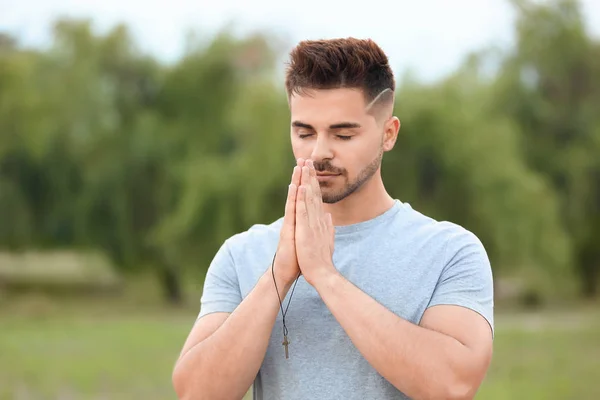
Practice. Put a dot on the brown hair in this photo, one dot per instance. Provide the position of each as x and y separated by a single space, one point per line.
339 63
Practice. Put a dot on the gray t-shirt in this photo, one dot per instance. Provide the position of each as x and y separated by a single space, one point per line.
402 258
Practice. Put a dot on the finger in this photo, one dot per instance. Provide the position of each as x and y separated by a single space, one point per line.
305 182
289 219
311 208
296 176
299 164
301 212
316 188
305 177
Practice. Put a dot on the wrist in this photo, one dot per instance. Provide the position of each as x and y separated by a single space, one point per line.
284 283
325 278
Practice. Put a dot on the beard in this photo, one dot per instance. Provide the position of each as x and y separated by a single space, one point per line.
330 195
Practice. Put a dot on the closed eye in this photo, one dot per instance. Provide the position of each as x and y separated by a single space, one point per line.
306 135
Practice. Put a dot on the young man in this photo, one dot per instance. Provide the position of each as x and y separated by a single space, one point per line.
390 304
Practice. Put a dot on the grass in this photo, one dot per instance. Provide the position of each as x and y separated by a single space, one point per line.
108 358
556 359
113 351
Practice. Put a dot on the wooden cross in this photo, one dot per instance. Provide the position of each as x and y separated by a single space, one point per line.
285 344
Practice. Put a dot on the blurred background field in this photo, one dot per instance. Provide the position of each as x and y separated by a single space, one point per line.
56 349
122 172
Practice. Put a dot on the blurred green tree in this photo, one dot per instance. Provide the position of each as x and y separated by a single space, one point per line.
102 146
550 86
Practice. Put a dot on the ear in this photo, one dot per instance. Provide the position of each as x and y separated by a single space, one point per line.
390 133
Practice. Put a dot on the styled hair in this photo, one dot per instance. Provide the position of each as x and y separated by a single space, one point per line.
339 63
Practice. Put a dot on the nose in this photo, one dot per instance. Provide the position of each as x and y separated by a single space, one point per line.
322 149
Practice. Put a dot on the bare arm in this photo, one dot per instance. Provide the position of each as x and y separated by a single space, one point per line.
223 364
224 352
444 358
447 355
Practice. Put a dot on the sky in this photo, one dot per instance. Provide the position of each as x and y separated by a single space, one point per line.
429 37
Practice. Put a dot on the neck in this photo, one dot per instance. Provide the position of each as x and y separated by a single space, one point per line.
368 202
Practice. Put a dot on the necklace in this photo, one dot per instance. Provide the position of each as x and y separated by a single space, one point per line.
285 330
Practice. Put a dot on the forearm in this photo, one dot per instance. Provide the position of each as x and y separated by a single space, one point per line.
419 362
224 365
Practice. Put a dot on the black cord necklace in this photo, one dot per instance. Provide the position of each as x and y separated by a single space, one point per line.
285 330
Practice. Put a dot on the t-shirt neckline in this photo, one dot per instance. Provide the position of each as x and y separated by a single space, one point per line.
370 223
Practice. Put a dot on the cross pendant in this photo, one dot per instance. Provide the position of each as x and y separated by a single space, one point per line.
285 344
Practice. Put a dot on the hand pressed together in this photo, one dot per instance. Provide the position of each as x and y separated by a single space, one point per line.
285 265
315 232
306 241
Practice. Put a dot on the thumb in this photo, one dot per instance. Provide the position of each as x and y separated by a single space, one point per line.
331 229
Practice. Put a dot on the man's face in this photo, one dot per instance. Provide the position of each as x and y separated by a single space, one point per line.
334 129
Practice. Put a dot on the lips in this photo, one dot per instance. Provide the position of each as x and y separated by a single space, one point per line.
327 173
323 178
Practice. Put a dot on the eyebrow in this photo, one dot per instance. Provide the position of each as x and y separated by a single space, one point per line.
339 125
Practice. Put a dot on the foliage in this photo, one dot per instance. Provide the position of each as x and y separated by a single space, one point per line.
102 146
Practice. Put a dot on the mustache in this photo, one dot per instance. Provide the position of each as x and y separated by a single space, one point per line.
325 166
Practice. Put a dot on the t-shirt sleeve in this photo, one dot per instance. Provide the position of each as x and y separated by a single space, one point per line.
221 291
466 278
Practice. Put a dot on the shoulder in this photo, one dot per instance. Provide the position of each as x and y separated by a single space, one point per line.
257 235
451 236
